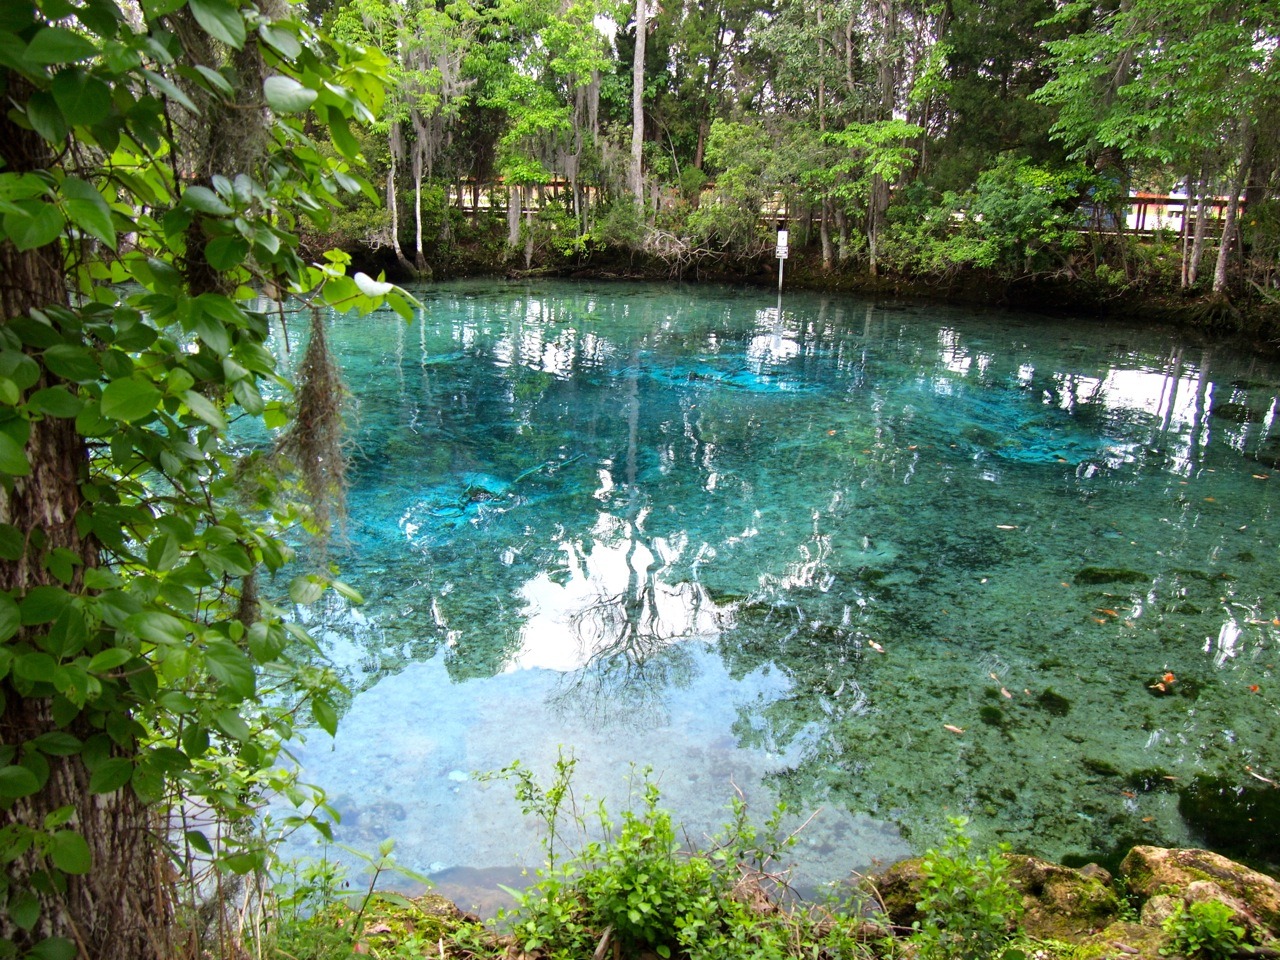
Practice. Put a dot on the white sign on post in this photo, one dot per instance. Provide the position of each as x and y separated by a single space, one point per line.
782 245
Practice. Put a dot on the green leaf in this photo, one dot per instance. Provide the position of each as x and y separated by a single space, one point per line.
221 20
199 842
348 591
205 201
226 253
233 725
148 784
110 775
54 948
163 553
130 399
37 667
18 367
45 117
286 95
59 45
230 667
341 134
325 715
280 40
13 457
109 659
10 619
157 627
34 225
24 908
70 853
246 862
43 604
213 333
83 99
55 402
305 589
71 362
170 90
87 209
56 743
201 406
215 79
17 782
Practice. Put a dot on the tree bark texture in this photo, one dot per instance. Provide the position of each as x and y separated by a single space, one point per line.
122 907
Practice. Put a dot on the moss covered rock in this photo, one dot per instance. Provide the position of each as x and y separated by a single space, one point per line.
1062 903
1122 940
1149 871
899 889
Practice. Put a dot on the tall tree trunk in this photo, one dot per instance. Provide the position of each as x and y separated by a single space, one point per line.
419 254
637 106
1233 206
122 907
824 232
1202 226
528 226
393 205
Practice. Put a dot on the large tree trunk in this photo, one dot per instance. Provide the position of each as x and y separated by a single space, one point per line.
122 907
637 106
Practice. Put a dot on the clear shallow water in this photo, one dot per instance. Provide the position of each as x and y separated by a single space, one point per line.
891 562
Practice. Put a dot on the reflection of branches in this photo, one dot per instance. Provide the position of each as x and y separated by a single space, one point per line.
630 653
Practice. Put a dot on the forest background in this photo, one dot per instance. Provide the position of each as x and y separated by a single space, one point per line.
965 145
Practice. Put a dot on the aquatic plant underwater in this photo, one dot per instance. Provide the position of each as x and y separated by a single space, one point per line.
897 562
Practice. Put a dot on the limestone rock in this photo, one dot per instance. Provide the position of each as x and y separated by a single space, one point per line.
1160 908
1124 941
1149 871
1062 903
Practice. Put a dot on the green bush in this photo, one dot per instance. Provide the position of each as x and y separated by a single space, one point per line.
969 907
1206 929
639 889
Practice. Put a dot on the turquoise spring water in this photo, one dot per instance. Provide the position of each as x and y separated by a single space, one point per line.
887 562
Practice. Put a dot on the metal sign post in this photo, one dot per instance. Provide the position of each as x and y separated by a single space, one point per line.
782 255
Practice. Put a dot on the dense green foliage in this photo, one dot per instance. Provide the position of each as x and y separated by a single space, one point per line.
156 163
969 908
902 135
1206 929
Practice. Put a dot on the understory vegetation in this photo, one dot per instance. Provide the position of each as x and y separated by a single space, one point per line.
633 888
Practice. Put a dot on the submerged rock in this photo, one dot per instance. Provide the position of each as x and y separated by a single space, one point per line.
1090 575
1241 819
1053 703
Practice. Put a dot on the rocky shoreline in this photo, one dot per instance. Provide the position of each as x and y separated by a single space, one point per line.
1068 913
1121 916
